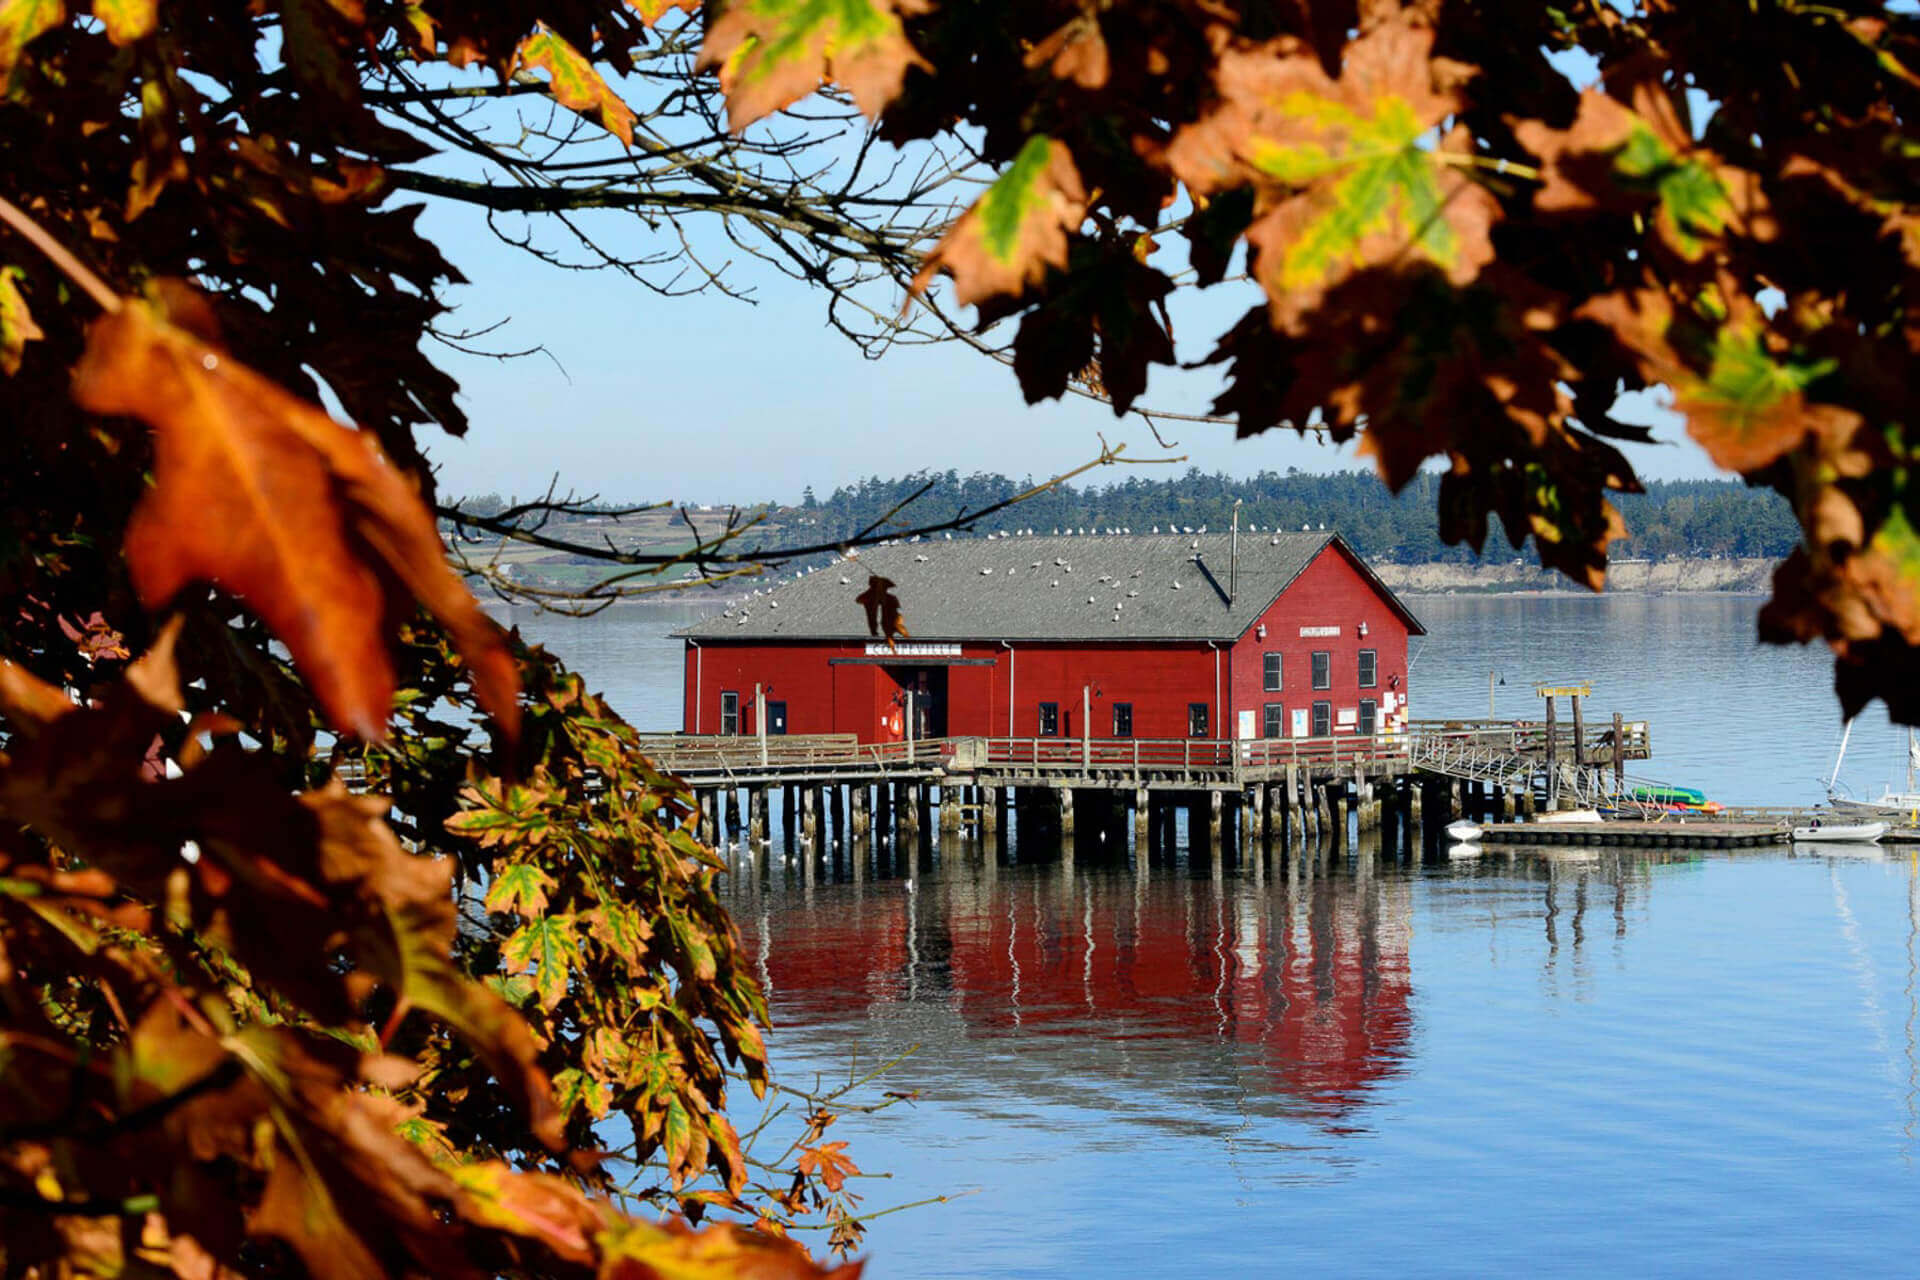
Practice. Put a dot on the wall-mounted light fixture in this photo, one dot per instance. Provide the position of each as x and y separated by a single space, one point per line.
1362 628
1260 632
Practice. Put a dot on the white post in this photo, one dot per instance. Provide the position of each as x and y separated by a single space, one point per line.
1086 726
909 709
760 720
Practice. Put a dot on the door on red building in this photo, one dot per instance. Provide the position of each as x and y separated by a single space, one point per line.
926 689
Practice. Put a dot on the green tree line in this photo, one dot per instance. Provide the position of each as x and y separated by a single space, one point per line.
1673 518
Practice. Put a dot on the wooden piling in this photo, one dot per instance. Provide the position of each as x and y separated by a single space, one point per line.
1064 798
757 816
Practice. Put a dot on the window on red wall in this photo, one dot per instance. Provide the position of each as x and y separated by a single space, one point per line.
1322 669
1123 719
1197 720
1049 719
730 712
1274 722
1369 668
1270 672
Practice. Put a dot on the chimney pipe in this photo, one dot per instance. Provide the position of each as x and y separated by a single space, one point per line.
1233 555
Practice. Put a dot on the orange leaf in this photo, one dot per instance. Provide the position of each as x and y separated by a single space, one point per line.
774 52
574 83
304 519
637 1250
829 1163
1015 231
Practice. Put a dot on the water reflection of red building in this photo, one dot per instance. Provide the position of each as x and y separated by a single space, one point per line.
1311 979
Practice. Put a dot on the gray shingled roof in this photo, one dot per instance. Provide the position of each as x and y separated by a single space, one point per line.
1092 587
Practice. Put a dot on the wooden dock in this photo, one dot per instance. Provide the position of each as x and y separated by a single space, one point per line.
1314 788
1640 835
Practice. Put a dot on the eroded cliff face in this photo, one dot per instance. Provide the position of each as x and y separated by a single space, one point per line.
1746 575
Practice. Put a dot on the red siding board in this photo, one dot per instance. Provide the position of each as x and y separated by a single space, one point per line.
1329 593
1158 678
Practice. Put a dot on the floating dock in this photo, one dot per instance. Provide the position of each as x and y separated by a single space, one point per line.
1639 835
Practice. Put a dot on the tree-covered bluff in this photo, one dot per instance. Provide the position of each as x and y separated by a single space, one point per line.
1673 518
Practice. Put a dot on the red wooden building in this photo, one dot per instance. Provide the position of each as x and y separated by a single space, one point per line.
1105 636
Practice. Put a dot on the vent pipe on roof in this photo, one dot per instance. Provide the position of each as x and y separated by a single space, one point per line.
1233 553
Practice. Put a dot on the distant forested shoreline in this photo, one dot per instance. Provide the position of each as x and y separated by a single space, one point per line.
1673 519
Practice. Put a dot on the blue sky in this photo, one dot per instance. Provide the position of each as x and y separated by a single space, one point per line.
709 399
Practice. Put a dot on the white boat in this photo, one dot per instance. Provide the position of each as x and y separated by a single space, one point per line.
1902 808
1569 815
1464 830
1819 832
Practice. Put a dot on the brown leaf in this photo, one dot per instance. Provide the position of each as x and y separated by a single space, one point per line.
1345 175
1014 233
303 519
1076 52
883 609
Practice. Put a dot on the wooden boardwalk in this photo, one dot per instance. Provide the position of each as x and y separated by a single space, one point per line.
1185 764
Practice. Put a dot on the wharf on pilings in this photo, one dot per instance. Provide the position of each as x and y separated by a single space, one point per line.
1306 788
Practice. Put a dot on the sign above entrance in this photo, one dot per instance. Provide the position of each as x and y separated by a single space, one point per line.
1315 633
879 649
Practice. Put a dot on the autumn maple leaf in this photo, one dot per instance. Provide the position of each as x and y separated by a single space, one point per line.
260 492
829 1163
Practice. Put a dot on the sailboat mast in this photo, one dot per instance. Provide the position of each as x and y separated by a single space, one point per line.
1835 778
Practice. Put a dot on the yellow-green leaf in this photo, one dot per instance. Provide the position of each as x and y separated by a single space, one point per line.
620 930
17 327
774 52
127 20
575 1088
551 948
20 22
520 887
574 83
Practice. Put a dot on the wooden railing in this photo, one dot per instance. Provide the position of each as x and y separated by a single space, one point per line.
1524 737
1140 757
729 755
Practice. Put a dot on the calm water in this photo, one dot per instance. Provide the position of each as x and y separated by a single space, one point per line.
1568 1064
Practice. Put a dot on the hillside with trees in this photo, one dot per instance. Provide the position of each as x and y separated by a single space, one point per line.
1673 518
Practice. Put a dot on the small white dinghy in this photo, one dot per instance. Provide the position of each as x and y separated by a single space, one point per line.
1819 832
1569 816
1465 831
